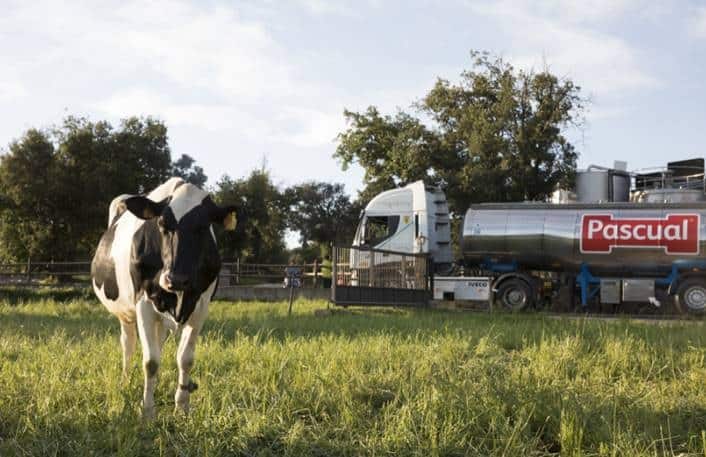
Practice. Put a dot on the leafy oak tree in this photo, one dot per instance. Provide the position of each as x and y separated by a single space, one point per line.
322 213
497 135
56 185
260 238
393 150
185 167
28 212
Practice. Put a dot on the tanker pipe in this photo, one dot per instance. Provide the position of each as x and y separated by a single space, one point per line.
598 167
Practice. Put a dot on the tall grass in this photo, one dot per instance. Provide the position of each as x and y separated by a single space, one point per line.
356 382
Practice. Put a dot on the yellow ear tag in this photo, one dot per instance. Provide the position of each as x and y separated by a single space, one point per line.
230 221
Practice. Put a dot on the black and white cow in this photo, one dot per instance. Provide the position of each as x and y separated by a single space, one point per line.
156 268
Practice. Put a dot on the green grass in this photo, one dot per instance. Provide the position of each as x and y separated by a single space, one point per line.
356 382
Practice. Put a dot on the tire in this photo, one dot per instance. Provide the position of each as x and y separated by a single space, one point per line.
691 297
514 294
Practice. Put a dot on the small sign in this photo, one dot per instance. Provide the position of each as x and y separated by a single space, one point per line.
677 234
293 277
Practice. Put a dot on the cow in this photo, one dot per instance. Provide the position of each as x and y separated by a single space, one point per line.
156 269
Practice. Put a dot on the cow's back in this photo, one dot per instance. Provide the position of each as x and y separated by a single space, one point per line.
110 268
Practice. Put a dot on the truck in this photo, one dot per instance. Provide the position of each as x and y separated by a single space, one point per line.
618 238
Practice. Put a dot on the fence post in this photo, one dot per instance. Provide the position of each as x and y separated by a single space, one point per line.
29 270
237 271
334 274
371 269
316 265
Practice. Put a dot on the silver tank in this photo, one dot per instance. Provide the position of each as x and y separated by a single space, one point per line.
545 236
601 185
593 186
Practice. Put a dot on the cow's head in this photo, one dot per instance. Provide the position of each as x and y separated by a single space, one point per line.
188 247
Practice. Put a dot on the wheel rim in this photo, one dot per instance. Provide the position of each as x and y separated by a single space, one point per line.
515 298
695 298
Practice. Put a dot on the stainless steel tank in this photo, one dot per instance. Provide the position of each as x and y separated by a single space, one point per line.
627 239
602 185
593 186
620 186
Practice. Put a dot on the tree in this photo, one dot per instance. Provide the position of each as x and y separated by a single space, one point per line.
503 128
259 238
28 212
496 136
393 150
185 168
96 163
322 213
57 184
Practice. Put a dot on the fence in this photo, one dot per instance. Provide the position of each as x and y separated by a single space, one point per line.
42 273
33 273
240 273
376 277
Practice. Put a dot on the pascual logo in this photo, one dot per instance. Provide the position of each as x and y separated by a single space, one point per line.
676 233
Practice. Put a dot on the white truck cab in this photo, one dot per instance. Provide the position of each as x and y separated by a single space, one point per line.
411 219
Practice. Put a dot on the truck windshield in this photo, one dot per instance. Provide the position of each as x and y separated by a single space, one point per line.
380 228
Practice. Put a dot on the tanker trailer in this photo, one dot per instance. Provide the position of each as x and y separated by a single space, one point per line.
624 237
622 251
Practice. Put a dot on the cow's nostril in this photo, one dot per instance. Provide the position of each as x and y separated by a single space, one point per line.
177 282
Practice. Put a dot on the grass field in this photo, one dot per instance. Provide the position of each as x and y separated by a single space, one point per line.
355 382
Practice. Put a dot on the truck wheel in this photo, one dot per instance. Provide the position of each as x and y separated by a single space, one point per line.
691 297
514 294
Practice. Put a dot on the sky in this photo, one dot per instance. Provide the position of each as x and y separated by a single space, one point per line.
242 83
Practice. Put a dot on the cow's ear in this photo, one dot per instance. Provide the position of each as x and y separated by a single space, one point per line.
228 216
144 208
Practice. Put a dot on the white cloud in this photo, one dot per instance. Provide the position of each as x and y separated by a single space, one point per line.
310 127
143 102
697 26
539 31
579 11
187 63
348 8
321 7
11 88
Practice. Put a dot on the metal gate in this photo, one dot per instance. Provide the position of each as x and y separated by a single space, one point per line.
373 277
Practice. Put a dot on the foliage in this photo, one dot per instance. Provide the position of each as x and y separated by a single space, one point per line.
394 151
261 236
27 217
322 213
56 185
373 382
185 168
495 136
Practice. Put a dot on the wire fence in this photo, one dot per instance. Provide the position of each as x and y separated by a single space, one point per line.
233 273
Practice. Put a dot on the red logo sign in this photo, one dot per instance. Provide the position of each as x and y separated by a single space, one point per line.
676 233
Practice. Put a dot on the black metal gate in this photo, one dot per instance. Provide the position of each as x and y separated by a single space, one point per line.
373 277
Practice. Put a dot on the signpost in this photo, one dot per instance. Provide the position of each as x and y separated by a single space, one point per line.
292 278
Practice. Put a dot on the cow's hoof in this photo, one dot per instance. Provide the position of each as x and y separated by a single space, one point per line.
181 408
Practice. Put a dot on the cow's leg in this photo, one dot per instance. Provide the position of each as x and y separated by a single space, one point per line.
149 325
168 325
128 340
185 356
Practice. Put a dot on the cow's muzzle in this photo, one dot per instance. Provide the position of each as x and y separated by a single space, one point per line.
177 282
